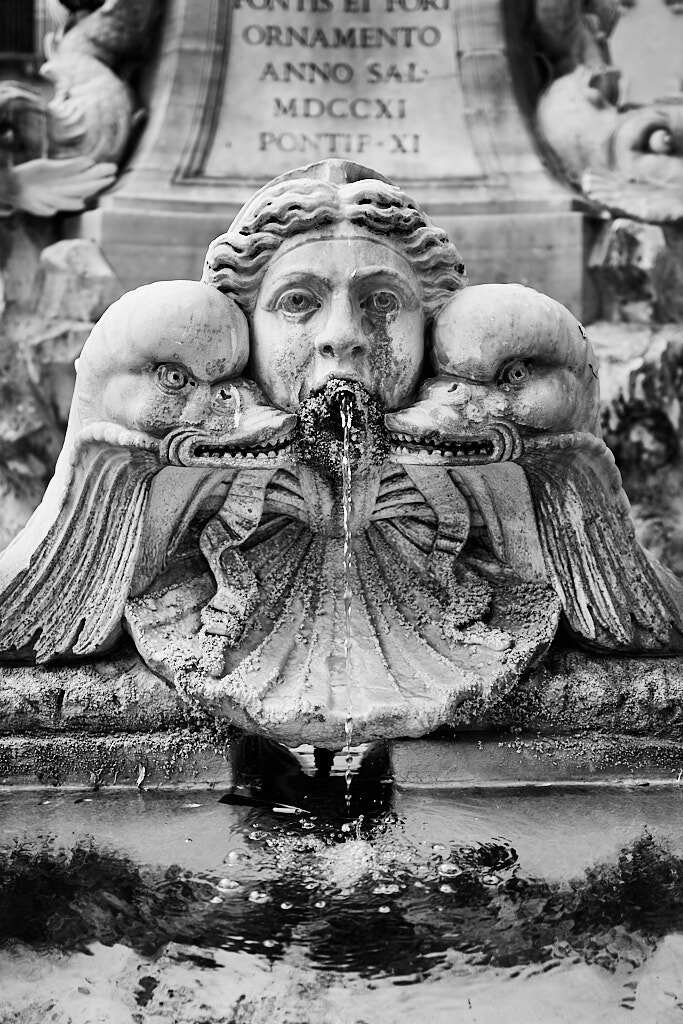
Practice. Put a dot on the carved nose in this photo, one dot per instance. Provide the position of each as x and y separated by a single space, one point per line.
458 394
341 338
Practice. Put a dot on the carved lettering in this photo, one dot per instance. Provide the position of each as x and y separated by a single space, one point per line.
317 143
405 143
406 6
366 37
308 72
377 73
274 6
360 107
333 68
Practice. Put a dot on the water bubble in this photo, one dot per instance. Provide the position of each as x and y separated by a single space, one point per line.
269 943
311 885
216 899
319 904
286 906
491 879
447 867
228 883
255 896
384 909
385 890
446 887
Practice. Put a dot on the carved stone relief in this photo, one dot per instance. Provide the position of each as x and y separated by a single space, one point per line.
332 482
625 156
70 129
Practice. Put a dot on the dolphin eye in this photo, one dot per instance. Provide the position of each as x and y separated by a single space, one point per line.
516 372
660 141
172 378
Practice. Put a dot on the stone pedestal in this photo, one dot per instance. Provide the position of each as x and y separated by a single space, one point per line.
423 92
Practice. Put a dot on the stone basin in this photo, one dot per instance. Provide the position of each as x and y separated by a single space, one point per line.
534 873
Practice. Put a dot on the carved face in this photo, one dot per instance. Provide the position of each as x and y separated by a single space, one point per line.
510 362
344 306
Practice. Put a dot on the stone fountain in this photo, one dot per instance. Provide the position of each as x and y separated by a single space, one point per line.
332 483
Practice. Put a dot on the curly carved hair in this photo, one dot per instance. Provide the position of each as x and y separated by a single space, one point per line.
294 204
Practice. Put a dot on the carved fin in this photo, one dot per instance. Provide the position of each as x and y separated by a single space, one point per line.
70 595
611 594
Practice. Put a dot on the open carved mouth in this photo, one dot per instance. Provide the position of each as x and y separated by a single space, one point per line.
217 452
320 437
500 443
186 448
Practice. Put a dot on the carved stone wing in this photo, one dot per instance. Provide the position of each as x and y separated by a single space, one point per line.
66 593
612 595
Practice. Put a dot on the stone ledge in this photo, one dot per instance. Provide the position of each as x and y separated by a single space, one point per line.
188 759
590 759
182 758
573 691
110 694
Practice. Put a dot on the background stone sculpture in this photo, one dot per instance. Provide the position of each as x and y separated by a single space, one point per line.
624 157
63 134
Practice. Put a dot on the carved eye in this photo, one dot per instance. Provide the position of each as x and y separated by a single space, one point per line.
660 141
172 378
297 303
381 305
516 372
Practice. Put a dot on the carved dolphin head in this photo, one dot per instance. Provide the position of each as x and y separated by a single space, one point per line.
517 381
511 364
163 361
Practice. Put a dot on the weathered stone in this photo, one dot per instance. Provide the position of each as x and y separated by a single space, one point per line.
75 283
315 553
641 374
526 759
573 693
184 758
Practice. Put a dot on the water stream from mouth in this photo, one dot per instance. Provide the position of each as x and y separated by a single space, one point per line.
346 412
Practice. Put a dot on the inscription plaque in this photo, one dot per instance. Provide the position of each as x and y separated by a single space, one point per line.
369 80
425 91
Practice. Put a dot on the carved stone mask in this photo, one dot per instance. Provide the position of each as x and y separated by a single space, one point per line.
338 304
